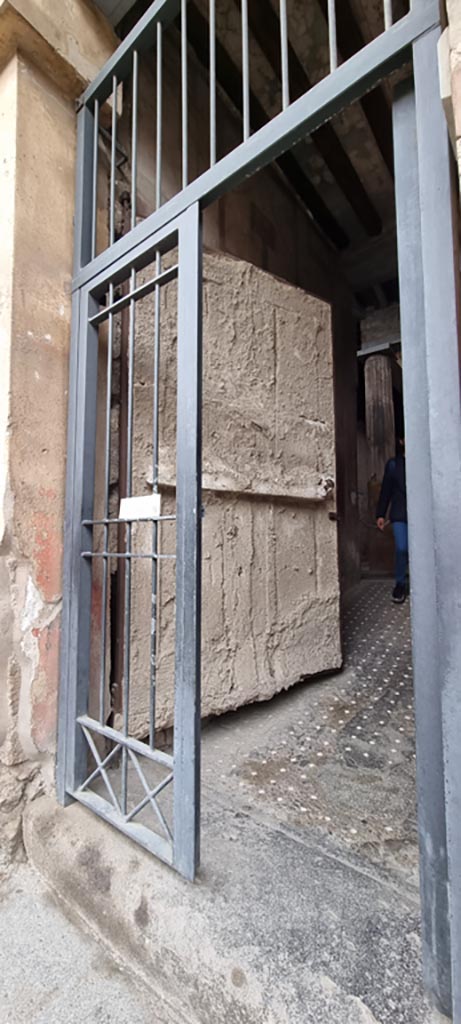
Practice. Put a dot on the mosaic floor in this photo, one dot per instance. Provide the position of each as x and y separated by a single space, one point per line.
334 757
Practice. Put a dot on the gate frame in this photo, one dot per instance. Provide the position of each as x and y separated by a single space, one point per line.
426 232
71 769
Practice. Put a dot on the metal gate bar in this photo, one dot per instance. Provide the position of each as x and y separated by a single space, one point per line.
155 488
188 549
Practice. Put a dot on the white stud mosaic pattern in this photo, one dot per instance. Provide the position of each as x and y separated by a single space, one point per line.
337 755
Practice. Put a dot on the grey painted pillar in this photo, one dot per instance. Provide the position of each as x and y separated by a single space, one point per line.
187 719
441 283
426 666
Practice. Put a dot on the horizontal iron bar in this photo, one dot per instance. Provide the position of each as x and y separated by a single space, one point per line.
120 522
141 37
134 296
123 554
110 272
344 86
151 842
137 746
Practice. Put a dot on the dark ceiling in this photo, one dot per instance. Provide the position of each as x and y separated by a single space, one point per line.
342 173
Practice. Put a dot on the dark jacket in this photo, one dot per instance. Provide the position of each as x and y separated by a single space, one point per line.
393 491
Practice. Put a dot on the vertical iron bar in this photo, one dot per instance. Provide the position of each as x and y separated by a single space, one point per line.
245 71
105 569
185 149
70 762
158 169
117 695
94 196
129 483
188 549
284 54
332 35
212 16
155 526
68 665
441 295
388 15
134 138
427 682
113 162
79 636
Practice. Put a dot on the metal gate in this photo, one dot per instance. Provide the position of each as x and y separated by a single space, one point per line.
110 277
103 536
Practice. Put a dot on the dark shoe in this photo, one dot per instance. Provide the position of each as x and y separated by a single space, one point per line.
399 593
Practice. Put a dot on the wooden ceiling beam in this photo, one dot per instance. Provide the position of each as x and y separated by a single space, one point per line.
374 104
229 79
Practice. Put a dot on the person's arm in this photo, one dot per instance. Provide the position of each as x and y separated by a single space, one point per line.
385 493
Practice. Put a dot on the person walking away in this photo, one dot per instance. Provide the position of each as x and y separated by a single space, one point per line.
394 495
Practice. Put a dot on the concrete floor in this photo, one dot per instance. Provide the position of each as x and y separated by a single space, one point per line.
51 971
306 909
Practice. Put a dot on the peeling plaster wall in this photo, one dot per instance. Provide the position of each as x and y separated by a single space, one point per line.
270 561
69 40
38 352
8 116
44 64
37 171
35 286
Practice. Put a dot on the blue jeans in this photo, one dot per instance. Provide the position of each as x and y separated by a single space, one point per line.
401 551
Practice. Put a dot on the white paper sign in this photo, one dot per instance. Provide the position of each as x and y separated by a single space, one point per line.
146 506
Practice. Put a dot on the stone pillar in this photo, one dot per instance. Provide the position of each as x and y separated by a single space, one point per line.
379 406
43 67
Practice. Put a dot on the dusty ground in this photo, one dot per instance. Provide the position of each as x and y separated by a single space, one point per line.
52 971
